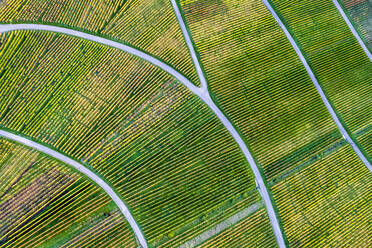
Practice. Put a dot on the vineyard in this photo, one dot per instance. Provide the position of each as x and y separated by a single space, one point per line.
347 81
128 156
275 105
270 96
45 204
209 220
148 25
328 203
251 231
365 139
143 142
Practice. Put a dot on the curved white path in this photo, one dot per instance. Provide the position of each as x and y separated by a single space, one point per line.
355 33
126 48
201 92
205 96
123 208
319 89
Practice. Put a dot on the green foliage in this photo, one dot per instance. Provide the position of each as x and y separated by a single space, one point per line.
160 147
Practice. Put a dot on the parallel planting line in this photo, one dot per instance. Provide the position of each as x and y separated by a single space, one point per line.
202 93
318 87
205 96
123 208
220 227
107 42
355 33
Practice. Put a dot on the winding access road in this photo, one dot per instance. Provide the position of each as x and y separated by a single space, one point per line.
205 96
355 33
199 71
318 87
121 205
202 93
50 28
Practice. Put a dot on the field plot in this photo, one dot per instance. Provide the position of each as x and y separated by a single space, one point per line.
254 231
259 82
149 25
360 11
209 220
43 203
163 150
328 204
342 67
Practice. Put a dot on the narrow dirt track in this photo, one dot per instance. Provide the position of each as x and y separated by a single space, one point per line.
318 87
121 205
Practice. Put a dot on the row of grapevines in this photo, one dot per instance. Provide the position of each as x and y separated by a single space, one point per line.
328 203
46 204
360 12
195 163
162 149
365 139
336 57
150 25
109 232
212 219
353 3
258 81
253 231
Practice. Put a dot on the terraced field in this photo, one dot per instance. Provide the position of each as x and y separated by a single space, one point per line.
327 204
43 203
148 25
157 144
269 96
342 67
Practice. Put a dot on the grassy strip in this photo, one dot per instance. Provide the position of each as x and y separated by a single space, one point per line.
217 212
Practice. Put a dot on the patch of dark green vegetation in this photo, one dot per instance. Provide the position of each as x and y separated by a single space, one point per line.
2 73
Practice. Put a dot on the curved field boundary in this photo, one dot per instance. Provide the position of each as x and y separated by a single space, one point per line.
107 42
318 87
208 100
121 205
202 93
353 30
